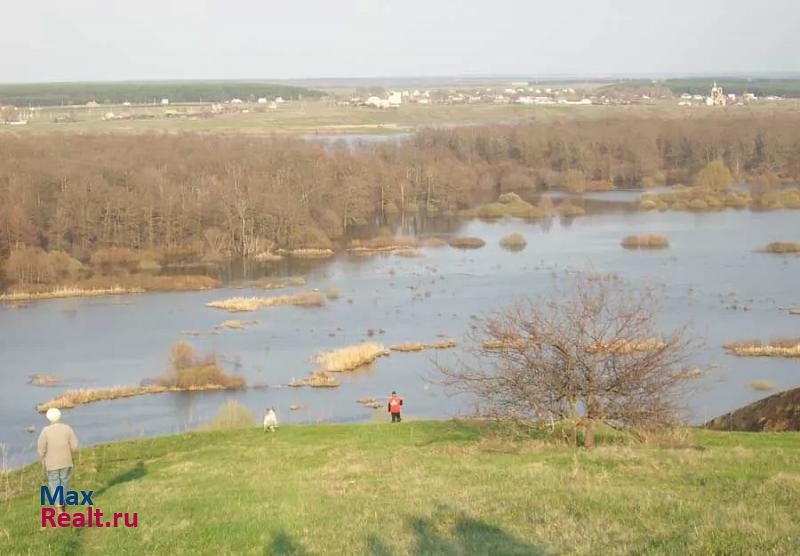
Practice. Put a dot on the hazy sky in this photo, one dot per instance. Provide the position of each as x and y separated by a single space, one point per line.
75 40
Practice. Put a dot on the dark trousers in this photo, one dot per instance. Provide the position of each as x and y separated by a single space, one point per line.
396 417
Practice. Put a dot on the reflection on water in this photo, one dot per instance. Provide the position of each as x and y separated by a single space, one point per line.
710 266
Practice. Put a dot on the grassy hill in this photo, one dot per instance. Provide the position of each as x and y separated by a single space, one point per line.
424 488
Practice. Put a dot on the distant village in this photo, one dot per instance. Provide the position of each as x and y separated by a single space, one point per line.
515 92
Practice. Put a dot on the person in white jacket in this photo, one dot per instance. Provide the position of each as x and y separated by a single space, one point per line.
56 443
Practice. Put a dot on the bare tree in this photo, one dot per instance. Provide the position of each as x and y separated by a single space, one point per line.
589 355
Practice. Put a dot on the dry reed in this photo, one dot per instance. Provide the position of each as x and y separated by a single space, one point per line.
246 304
350 357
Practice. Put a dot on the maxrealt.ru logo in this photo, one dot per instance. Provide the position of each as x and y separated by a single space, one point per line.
91 517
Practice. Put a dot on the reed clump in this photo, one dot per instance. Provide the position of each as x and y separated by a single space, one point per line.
45 380
247 304
444 344
781 247
350 357
778 347
466 242
286 283
646 241
629 346
383 244
762 385
64 292
317 379
514 242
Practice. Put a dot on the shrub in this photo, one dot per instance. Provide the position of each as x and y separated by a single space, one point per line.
697 204
514 242
231 415
715 176
506 198
647 204
308 237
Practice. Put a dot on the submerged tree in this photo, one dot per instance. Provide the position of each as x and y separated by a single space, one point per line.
590 355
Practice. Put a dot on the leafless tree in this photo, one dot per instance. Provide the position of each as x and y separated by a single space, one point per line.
587 355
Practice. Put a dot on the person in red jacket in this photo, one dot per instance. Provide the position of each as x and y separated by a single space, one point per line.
395 403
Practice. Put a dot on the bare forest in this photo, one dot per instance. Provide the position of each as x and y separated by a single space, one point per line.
71 200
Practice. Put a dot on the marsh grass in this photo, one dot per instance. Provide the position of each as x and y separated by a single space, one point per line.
444 344
287 283
45 380
646 241
308 253
350 357
778 347
781 247
237 324
317 379
247 304
466 242
65 292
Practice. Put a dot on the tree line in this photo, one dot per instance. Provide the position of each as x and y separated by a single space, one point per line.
239 196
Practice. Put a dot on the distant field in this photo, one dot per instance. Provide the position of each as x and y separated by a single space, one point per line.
423 488
138 92
321 117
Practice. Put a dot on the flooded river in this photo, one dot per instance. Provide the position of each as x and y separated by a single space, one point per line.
711 265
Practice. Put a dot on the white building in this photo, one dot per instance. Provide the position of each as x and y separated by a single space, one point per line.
164 101
262 100
395 98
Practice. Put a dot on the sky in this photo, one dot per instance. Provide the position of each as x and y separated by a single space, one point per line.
105 40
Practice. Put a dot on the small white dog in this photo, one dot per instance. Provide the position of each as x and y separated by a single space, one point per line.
270 420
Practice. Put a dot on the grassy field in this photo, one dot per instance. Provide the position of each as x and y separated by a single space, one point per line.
321 117
423 488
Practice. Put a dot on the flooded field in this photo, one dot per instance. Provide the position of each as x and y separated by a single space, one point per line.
710 267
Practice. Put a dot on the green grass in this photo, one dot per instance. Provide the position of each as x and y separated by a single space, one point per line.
423 488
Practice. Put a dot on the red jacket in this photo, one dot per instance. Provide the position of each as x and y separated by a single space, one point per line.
394 404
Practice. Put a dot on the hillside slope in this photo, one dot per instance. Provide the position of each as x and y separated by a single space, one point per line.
423 488
778 412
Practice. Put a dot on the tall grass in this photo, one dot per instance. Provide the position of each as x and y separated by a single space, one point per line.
351 357
63 292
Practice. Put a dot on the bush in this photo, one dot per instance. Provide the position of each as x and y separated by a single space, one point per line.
514 242
231 415
715 176
648 204
506 198
308 237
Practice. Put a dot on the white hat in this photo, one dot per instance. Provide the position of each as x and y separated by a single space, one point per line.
53 415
